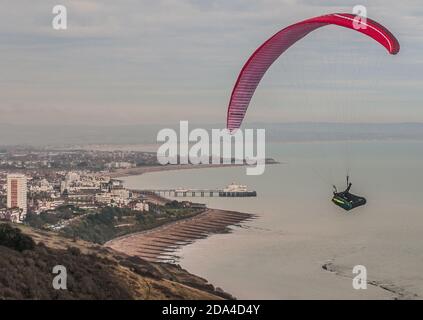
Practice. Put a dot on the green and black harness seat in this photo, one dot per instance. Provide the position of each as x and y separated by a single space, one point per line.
348 201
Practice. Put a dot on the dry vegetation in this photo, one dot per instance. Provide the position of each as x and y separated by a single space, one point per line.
94 272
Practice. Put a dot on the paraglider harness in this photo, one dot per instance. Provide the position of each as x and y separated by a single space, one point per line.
347 200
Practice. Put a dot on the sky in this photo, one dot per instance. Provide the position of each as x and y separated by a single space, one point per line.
131 62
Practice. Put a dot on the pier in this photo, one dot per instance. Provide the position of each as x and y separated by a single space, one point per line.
197 193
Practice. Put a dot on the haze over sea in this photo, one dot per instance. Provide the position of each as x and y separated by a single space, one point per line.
280 254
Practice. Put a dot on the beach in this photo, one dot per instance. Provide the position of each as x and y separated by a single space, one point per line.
147 169
125 172
160 244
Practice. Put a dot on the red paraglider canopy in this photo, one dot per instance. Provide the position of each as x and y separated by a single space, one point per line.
257 65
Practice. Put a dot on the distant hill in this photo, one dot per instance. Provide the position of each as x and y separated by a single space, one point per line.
27 258
299 132
55 135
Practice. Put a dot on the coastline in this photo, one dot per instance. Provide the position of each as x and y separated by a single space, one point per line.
147 169
160 244
126 277
157 168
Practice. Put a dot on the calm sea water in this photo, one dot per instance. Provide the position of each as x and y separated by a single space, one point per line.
280 254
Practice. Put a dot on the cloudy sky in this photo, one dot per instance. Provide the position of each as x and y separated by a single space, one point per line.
161 61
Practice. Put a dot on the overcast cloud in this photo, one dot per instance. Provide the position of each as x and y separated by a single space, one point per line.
161 61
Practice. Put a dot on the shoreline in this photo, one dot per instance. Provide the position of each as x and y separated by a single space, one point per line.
168 167
160 244
158 168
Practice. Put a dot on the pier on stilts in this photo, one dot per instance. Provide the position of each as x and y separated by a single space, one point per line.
186 193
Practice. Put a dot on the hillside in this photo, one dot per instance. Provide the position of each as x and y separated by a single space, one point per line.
94 272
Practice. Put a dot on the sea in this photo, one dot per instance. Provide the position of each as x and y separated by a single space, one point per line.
302 246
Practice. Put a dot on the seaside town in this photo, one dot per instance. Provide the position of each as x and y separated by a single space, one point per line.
37 181
75 193
71 203
68 204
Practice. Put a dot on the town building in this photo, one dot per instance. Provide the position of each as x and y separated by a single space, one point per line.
17 194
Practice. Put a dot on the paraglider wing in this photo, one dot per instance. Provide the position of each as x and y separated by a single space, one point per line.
257 65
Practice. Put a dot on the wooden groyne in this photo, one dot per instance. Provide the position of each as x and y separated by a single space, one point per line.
160 244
